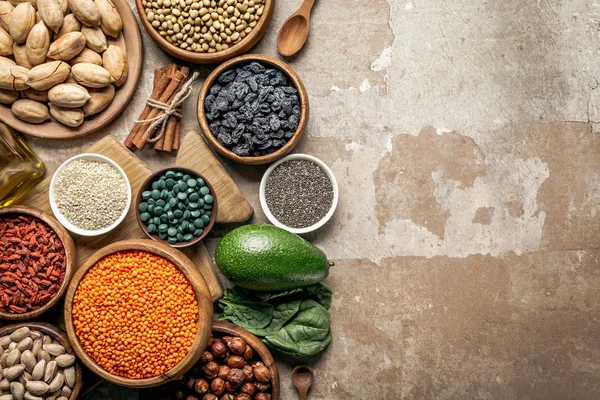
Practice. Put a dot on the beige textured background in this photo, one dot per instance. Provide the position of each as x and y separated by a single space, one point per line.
465 138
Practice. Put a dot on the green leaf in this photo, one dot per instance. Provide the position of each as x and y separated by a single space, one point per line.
320 293
242 311
282 313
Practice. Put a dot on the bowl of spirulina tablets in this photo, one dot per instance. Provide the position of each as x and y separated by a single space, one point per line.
176 206
299 193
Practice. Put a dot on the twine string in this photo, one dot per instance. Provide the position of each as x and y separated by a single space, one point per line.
168 111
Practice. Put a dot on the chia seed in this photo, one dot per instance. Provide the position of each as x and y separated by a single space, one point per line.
299 193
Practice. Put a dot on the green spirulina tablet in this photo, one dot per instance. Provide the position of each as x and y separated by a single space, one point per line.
193 206
156 194
172 201
182 196
143 207
185 177
155 185
192 183
205 218
170 215
156 220
179 237
199 222
195 214
172 240
179 174
204 190
146 194
178 214
183 187
164 194
175 189
160 203
181 206
162 184
170 183
163 227
208 199
198 232
166 208
187 237
162 236
174 222
169 174
208 206
151 208
186 214
163 219
151 202
190 191
184 225
151 228
158 211
145 216
180 229
194 197
191 228
200 181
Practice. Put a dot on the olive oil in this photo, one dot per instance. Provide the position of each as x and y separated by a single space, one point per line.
20 168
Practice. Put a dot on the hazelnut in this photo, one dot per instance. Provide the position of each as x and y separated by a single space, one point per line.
201 386
237 345
210 396
262 386
262 373
210 370
206 357
236 377
189 382
243 396
210 341
227 339
256 363
229 388
248 387
218 349
248 373
227 396
248 353
262 396
217 386
191 397
223 371
235 362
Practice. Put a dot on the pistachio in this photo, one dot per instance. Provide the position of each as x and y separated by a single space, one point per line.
6 10
111 22
91 75
70 24
37 344
28 360
100 99
13 78
68 95
50 372
37 44
86 11
44 355
66 360
38 371
6 43
27 343
21 21
67 46
95 38
29 396
15 371
8 97
36 113
6 397
5 341
54 349
59 379
70 376
44 77
87 56
66 391
20 54
37 388
115 62
72 117
17 390
4 384
13 358
51 12
17 2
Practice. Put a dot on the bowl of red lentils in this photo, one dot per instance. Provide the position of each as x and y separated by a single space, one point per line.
138 313
37 256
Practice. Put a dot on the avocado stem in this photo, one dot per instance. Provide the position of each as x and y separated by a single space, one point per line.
331 264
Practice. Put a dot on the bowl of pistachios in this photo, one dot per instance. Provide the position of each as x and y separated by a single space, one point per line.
205 31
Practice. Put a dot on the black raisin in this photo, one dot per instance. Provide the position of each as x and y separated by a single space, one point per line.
256 67
215 89
225 139
227 76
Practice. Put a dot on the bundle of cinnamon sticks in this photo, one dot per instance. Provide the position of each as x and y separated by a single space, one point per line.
168 81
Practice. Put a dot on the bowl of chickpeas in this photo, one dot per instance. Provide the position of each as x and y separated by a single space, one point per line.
138 313
205 31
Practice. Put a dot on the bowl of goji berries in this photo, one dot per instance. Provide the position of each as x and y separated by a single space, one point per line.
37 257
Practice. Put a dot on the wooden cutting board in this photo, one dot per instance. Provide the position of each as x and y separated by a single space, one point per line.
194 154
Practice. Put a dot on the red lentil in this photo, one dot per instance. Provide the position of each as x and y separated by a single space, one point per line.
135 314
32 263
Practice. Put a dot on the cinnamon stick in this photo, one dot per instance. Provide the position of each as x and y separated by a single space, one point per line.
166 141
166 97
170 134
161 81
177 135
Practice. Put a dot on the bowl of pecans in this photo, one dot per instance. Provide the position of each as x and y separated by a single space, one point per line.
37 257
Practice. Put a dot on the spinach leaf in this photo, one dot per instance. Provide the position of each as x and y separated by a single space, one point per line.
242 311
282 313
308 333
320 293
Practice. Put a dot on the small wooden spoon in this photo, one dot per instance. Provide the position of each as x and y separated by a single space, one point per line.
302 378
294 30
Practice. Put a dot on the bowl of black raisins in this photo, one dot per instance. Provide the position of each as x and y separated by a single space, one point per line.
253 109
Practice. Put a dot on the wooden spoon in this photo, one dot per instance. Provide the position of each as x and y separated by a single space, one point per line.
302 378
294 30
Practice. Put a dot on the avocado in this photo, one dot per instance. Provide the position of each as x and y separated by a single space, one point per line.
267 258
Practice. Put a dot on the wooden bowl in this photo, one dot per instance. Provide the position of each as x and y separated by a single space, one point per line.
70 259
203 297
131 42
295 82
209 58
56 334
257 345
148 184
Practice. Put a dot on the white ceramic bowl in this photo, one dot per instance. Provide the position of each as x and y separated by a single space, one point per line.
263 200
64 221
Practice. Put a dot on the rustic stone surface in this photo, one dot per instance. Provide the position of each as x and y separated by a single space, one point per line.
464 136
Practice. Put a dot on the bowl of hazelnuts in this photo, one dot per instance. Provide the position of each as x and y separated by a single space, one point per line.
236 365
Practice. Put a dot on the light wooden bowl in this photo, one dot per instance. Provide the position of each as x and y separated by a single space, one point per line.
56 334
258 346
203 297
295 82
131 42
70 259
209 58
148 185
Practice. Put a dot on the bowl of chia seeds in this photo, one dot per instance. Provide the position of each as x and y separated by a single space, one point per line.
299 193
90 194
253 109
176 206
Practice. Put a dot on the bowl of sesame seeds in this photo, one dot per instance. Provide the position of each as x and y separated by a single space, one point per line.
90 194
299 193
